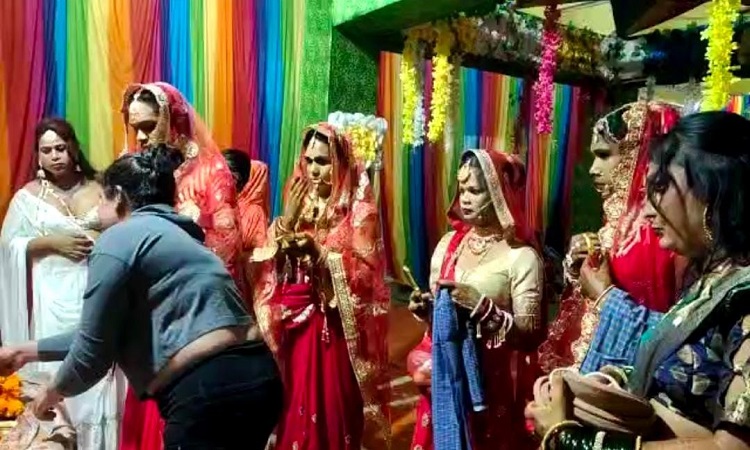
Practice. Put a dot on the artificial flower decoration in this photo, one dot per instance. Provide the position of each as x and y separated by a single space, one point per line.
722 16
11 405
409 86
544 85
442 73
365 134
363 142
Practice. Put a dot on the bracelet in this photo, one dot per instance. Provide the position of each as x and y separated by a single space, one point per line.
602 296
590 438
478 306
490 309
555 430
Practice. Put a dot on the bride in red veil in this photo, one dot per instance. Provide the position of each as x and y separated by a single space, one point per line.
157 113
639 266
321 300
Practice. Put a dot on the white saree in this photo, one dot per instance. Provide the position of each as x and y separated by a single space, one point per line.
57 286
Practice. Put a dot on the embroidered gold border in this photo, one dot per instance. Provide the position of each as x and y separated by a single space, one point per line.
363 370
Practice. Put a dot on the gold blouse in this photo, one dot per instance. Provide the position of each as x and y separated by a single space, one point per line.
515 276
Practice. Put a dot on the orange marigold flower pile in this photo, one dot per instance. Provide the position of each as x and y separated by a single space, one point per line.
11 405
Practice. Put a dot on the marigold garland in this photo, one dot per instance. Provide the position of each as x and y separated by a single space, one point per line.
722 16
364 142
11 405
409 86
544 85
442 73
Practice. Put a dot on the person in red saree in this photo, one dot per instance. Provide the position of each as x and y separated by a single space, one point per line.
251 182
158 113
491 264
321 301
629 247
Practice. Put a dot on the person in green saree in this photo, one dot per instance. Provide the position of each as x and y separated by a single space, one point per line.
693 365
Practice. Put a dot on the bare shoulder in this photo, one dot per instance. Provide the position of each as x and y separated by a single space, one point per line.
91 187
86 198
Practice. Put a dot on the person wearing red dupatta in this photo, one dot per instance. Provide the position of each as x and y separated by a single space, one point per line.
492 265
639 266
159 114
321 301
253 207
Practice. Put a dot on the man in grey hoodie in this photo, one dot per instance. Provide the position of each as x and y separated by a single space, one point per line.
163 307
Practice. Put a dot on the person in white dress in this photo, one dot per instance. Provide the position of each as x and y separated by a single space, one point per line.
47 234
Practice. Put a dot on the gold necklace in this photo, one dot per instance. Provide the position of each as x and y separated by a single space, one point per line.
479 245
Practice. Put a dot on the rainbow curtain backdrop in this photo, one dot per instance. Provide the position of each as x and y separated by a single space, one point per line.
239 62
493 112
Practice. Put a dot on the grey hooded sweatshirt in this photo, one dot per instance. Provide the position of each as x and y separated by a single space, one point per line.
152 289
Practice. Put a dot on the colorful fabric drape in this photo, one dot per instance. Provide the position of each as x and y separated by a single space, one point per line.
494 112
237 61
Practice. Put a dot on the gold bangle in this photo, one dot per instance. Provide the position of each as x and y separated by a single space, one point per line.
478 307
602 296
555 430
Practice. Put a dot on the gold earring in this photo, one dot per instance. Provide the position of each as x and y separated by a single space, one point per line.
40 173
707 233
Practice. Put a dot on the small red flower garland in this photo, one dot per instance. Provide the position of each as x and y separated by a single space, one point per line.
544 85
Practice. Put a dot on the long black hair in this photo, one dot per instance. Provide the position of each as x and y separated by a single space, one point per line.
144 178
714 150
67 133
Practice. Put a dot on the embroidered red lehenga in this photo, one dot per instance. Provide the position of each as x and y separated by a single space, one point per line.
327 322
507 371
206 192
638 265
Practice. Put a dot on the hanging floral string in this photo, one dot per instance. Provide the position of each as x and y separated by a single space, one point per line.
442 76
409 86
544 85
11 405
722 16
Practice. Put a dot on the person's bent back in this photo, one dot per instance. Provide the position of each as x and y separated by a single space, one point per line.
163 307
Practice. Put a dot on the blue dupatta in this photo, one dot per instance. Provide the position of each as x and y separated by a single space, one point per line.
456 376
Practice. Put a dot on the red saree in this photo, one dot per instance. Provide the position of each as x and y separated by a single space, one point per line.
638 265
206 192
253 206
328 327
508 373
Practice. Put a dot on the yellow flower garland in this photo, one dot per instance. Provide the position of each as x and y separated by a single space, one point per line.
11 405
442 73
364 142
409 86
722 16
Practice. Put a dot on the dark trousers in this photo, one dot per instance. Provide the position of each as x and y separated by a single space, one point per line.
232 400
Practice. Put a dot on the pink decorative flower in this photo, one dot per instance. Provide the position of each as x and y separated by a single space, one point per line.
544 85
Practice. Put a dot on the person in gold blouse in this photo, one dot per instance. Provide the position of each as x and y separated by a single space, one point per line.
493 272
